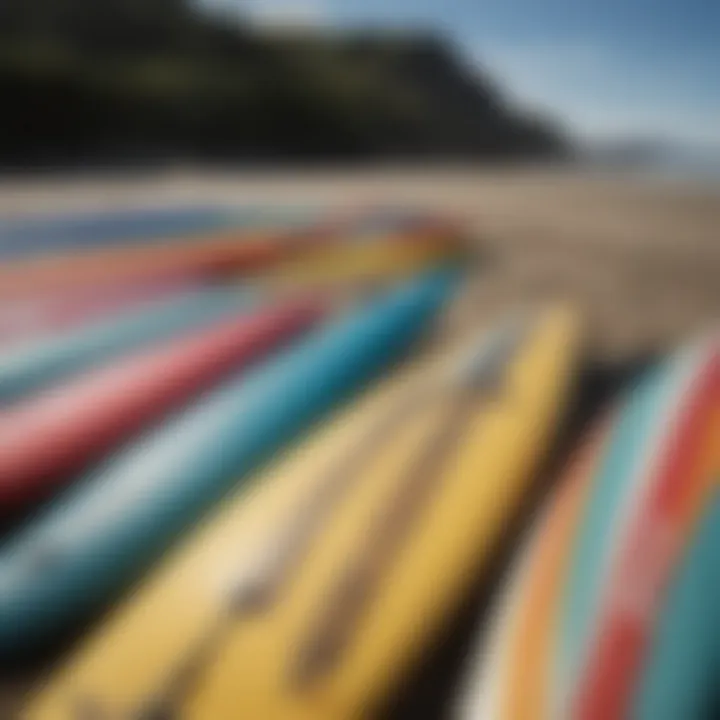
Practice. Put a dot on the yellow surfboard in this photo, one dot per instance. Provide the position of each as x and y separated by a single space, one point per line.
389 255
312 594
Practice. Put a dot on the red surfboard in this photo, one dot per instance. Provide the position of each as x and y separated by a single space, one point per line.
48 439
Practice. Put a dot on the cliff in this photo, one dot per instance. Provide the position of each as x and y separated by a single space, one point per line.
138 80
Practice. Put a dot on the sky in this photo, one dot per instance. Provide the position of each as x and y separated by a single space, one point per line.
608 68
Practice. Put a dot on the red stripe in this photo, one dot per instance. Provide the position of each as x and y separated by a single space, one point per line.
648 561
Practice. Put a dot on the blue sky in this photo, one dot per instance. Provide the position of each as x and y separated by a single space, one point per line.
607 67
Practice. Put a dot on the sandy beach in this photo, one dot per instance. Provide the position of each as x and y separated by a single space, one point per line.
640 256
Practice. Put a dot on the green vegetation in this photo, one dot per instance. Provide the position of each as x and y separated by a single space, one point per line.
135 80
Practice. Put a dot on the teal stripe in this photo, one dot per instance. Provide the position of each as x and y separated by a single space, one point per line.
632 431
681 677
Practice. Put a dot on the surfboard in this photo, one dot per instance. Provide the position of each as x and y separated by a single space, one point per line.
52 436
676 492
524 619
587 611
312 594
374 255
28 367
226 251
47 313
115 522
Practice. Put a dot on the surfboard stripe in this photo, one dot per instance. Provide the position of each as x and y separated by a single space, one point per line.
618 487
488 680
482 697
527 681
652 550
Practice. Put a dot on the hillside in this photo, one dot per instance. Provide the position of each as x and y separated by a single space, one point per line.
134 80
